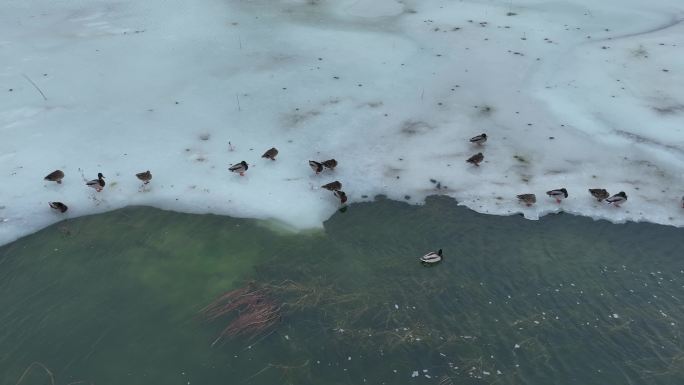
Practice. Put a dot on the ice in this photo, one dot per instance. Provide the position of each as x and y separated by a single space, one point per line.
578 94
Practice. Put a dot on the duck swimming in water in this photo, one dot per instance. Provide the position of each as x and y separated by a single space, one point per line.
55 176
58 206
239 168
599 193
527 199
98 184
617 199
558 194
432 258
270 154
145 177
333 186
480 139
316 166
476 159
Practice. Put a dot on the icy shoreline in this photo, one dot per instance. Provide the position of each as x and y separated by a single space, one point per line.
573 95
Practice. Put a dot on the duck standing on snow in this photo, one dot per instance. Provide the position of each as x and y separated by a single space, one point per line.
316 166
527 199
341 195
55 176
270 154
432 258
98 184
145 177
558 194
58 206
479 140
239 168
333 186
617 199
476 159
330 163
599 193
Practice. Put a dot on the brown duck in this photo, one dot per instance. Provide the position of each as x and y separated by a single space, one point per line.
341 195
333 186
145 177
599 193
58 206
316 166
55 176
330 163
527 199
476 159
271 154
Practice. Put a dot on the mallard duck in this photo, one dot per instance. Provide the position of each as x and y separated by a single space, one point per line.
476 159
330 163
270 154
98 184
558 194
59 206
239 168
617 199
332 186
480 139
341 195
55 176
316 166
527 199
599 193
145 177
432 258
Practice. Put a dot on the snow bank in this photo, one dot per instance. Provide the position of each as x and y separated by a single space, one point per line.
572 94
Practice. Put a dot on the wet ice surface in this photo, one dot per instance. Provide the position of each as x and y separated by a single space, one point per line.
575 94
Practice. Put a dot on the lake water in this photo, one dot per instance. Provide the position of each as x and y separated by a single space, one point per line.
117 299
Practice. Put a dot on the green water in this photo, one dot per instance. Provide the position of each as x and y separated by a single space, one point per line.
116 298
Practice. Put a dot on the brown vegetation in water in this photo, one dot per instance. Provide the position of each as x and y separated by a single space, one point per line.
253 309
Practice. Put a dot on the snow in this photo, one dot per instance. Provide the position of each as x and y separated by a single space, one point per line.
392 90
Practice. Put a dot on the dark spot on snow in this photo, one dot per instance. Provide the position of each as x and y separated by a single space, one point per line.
670 110
412 127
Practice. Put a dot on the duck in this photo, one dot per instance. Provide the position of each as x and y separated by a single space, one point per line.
271 153
432 258
330 163
59 206
476 159
333 186
479 140
55 176
617 199
558 194
683 202
527 199
145 177
98 184
341 195
316 166
599 193
239 168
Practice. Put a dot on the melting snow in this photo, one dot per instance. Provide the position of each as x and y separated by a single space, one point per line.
577 94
